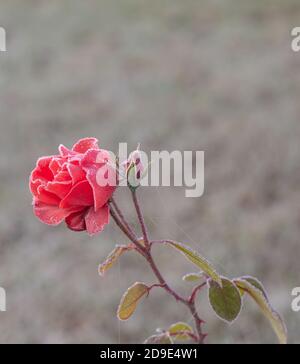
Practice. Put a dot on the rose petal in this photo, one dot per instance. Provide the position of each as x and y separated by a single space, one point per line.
85 144
64 151
63 176
76 221
60 189
76 172
94 157
90 163
42 170
49 214
33 186
80 195
41 174
101 193
47 197
55 165
96 220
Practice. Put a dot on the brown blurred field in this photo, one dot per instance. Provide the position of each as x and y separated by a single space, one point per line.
218 76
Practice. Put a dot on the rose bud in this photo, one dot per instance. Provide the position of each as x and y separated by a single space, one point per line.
67 187
134 169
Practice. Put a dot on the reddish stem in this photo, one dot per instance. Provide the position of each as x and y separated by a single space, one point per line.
195 291
141 218
162 281
146 252
123 228
122 218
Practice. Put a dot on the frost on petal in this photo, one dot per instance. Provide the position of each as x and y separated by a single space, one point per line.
49 214
33 186
101 193
76 221
93 162
63 176
40 175
35 183
96 220
64 151
76 172
47 197
94 158
85 144
80 195
56 164
42 170
60 189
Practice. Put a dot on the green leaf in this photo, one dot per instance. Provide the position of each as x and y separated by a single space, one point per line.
180 331
112 258
276 321
256 283
163 338
193 277
226 300
242 293
198 260
130 300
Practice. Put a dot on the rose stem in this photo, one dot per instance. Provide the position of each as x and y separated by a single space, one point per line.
140 217
122 218
146 252
131 237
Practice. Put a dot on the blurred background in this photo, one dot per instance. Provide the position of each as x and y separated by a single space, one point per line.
218 76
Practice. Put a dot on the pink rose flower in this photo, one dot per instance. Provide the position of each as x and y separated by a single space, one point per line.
66 187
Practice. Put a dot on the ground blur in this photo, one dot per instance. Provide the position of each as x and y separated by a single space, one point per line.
186 75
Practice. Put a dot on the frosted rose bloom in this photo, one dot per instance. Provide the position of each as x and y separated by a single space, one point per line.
66 187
